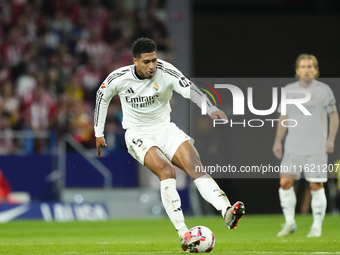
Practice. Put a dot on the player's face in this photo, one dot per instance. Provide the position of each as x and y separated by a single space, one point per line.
146 65
306 69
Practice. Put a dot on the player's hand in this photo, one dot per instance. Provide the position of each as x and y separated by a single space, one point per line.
329 146
100 142
277 150
218 115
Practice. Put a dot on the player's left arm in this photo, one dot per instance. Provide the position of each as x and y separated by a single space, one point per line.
333 129
330 107
189 90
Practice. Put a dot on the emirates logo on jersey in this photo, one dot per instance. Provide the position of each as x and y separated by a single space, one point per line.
141 101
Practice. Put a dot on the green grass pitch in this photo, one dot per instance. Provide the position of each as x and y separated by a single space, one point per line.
254 235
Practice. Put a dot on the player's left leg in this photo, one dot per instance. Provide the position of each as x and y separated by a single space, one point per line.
316 179
319 206
187 158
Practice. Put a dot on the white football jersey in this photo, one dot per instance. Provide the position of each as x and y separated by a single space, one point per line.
145 102
309 137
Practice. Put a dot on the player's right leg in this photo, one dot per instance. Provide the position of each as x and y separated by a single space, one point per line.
288 203
319 206
319 201
286 192
157 162
143 147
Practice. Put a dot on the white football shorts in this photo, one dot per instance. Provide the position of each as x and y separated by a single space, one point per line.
167 137
314 167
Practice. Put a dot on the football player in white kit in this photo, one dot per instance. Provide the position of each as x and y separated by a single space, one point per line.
306 145
145 89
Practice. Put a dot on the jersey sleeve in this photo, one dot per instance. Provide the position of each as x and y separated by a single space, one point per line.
329 101
189 90
104 95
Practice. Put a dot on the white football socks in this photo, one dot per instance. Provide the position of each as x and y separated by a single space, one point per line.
288 203
172 204
212 193
319 205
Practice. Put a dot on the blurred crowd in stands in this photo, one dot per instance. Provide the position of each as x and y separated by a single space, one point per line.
53 56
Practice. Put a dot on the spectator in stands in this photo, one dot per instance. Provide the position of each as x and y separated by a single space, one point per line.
12 50
96 16
74 89
62 25
66 62
117 55
80 32
10 103
90 75
26 81
40 116
44 43
81 125
6 138
53 83
5 72
94 46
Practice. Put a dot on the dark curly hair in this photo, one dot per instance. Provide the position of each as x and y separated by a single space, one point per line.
143 45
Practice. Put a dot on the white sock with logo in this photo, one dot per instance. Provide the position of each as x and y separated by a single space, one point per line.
172 204
319 205
212 193
288 203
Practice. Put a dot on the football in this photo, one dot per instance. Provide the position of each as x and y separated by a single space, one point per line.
207 239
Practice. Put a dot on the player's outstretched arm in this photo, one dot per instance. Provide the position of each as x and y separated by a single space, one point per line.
188 89
333 129
280 133
100 142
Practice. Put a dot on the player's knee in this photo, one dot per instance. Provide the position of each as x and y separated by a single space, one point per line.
286 183
315 185
196 170
166 172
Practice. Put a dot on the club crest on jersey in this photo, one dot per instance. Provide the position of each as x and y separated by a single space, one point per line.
144 147
103 86
155 87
